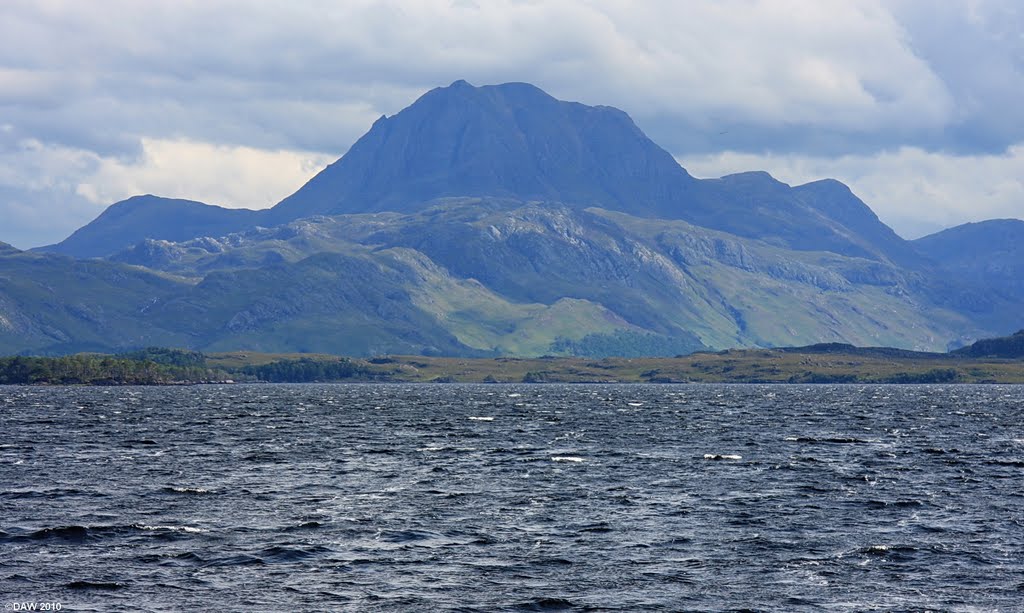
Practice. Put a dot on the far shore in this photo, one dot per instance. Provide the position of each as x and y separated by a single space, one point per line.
817 364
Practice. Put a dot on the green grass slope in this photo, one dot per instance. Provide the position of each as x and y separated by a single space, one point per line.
53 304
508 277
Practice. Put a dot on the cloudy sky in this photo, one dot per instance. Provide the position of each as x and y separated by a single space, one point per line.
918 105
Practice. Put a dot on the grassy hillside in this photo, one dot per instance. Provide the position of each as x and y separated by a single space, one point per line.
472 277
53 304
515 278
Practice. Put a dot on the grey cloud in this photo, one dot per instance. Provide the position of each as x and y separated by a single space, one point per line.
976 48
32 218
163 69
820 79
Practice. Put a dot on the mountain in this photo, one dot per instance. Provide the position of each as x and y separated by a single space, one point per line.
127 222
820 216
516 141
988 252
510 140
857 224
500 221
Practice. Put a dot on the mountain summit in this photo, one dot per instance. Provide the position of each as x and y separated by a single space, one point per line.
510 140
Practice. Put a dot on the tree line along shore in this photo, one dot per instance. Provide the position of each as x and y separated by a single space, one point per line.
826 363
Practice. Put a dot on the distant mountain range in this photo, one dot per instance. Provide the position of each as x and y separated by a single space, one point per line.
500 221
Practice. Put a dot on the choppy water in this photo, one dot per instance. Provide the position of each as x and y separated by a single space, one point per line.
535 498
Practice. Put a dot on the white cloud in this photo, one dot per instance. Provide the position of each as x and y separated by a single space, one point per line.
844 64
231 176
916 192
48 191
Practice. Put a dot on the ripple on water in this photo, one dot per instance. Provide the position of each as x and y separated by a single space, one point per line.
498 498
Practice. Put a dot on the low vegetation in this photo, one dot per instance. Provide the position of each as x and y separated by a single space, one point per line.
832 363
93 369
307 370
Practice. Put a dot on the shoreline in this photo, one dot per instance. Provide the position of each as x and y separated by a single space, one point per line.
801 366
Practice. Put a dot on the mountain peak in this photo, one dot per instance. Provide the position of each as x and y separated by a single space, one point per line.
512 88
499 99
515 141
511 140
755 179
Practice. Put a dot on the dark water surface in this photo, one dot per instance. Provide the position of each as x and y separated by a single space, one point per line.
533 498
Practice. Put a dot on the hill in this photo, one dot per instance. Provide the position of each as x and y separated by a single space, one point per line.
990 253
52 304
127 222
1008 347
